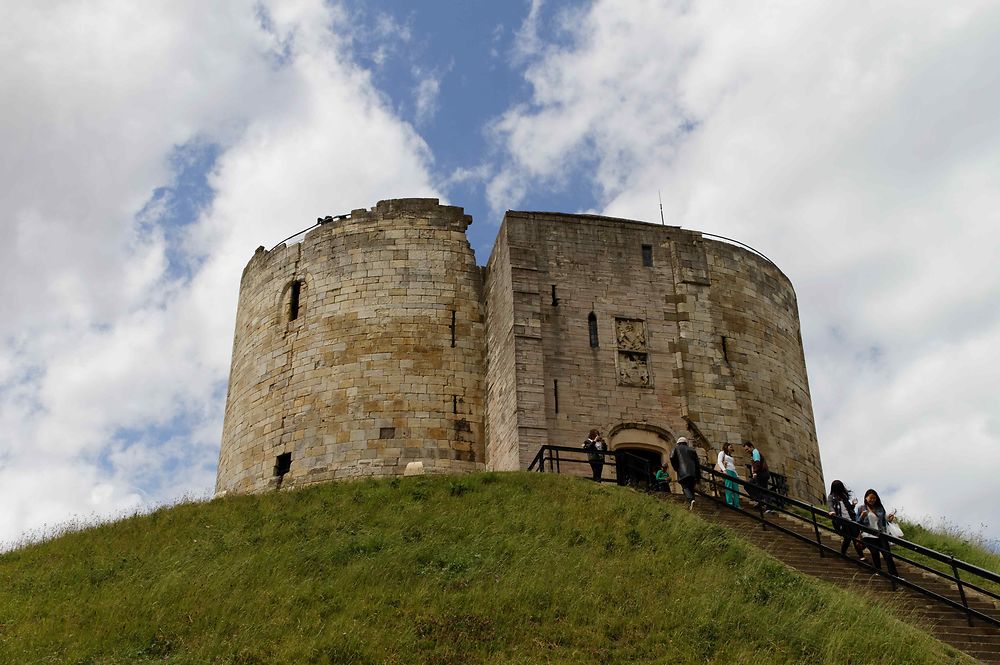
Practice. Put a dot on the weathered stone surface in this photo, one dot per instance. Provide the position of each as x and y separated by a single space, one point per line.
708 335
376 344
382 364
414 469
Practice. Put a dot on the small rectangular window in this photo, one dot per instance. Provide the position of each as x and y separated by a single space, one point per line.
647 255
282 464
387 432
555 298
555 393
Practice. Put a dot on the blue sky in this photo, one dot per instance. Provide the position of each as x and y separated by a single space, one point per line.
149 152
467 58
448 69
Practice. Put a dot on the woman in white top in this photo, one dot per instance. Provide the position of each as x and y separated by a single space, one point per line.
873 515
728 466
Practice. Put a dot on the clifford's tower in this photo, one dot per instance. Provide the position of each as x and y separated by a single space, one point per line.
377 345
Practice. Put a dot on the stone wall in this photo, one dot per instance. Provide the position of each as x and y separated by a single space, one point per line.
756 310
693 337
378 364
375 342
502 412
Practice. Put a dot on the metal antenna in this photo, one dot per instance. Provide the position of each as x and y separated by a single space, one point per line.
661 207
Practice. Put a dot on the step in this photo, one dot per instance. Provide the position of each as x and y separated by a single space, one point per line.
963 628
950 625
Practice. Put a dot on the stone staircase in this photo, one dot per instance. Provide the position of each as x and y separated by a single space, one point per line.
981 641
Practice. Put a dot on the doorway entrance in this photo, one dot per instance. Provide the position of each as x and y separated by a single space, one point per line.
637 467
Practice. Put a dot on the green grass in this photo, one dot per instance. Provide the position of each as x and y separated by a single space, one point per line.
492 568
953 541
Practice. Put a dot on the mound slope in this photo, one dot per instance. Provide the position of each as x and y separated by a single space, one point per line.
491 568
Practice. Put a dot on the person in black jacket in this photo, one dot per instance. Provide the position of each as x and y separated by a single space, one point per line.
842 513
595 445
685 461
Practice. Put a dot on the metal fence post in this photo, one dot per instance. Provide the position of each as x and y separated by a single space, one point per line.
884 544
961 590
819 542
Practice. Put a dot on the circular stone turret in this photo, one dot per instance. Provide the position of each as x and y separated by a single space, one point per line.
358 351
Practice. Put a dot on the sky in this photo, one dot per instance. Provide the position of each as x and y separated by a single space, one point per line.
151 147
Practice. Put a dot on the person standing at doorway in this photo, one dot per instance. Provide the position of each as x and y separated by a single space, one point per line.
685 461
595 445
662 479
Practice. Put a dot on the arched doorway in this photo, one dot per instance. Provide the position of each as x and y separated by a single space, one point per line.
636 467
642 450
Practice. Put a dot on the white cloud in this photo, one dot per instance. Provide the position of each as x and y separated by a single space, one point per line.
388 27
858 148
105 340
425 95
527 42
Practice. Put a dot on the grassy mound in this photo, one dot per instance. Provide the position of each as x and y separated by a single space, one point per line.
952 540
493 568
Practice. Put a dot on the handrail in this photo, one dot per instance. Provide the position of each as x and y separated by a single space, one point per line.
920 549
768 501
885 540
741 244
320 221
556 460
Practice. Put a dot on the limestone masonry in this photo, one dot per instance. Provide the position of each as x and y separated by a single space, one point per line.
376 344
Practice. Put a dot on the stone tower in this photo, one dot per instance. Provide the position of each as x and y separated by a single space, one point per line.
647 332
376 342
358 351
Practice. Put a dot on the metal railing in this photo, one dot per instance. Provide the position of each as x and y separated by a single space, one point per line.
320 221
628 466
890 547
628 469
777 483
741 244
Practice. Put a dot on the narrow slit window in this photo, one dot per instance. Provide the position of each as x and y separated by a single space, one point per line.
647 255
555 393
725 348
293 300
555 299
453 329
592 324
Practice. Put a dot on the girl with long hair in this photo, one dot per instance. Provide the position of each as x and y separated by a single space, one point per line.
726 465
874 516
842 514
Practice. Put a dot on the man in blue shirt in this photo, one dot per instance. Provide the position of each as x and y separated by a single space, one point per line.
759 475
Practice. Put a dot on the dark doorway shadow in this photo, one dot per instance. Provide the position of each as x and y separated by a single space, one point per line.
636 467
